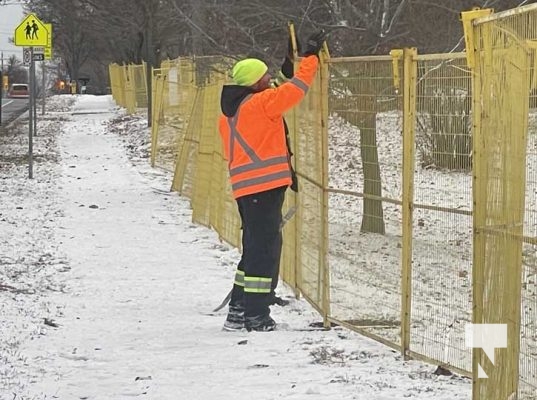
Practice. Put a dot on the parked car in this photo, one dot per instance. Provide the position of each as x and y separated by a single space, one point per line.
18 91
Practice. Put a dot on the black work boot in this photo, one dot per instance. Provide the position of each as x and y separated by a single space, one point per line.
260 323
235 318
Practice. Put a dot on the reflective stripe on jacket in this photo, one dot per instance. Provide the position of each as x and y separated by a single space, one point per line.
254 137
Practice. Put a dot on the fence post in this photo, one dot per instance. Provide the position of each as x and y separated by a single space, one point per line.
324 78
410 72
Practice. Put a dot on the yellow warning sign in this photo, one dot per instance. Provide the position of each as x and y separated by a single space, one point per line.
48 47
31 32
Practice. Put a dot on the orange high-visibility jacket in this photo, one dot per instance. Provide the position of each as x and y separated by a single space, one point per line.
253 133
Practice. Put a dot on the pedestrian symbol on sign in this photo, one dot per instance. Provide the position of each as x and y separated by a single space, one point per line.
28 31
31 30
35 28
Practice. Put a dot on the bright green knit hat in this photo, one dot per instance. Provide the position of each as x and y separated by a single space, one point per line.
248 71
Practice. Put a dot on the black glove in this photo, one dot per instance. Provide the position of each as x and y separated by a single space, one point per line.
315 43
287 66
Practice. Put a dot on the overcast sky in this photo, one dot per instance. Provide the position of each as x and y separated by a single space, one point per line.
10 17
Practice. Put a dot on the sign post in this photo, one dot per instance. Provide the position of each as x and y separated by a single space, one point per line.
33 34
31 117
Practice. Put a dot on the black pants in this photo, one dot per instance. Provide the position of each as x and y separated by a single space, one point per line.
261 216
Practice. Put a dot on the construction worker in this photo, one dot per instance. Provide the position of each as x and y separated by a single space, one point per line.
254 141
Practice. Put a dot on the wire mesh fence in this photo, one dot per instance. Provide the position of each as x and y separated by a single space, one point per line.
503 53
364 168
442 223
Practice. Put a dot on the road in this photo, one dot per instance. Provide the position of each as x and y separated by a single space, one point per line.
11 108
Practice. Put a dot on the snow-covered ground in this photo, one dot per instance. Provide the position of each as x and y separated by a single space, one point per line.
366 267
107 287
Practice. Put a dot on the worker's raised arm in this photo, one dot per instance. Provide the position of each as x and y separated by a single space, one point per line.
281 99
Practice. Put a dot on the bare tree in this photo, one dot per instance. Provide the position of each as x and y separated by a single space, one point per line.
15 70
118 28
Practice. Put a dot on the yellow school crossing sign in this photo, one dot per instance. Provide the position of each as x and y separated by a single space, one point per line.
31 32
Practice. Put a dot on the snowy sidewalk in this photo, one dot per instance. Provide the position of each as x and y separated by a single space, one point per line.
139 283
